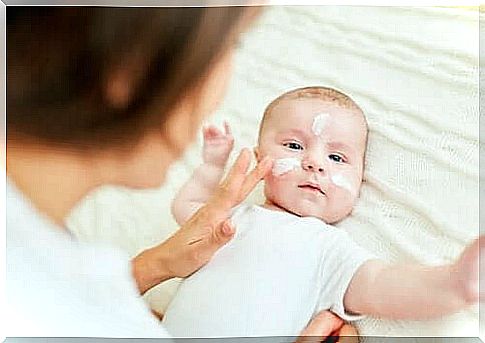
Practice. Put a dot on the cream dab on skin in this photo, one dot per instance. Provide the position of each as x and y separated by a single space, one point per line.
319 123
341 181
284 165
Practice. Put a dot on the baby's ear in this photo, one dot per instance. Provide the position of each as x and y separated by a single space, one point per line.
256 153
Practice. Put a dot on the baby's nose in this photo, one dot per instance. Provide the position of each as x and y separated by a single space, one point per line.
313 165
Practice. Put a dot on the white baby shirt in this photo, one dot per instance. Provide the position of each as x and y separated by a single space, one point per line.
269 280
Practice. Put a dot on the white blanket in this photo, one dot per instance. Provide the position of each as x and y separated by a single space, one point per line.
414 71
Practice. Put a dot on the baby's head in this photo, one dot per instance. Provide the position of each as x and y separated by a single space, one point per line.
317 137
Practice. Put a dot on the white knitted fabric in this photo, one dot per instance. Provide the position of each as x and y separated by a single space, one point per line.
414 71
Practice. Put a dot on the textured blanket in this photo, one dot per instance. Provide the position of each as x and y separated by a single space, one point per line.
414 71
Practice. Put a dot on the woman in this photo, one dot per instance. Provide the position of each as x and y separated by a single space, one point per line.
101 96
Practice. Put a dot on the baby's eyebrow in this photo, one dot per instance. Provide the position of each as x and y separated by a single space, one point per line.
340 145
294 131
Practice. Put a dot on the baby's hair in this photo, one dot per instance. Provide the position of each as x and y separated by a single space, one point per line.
313 92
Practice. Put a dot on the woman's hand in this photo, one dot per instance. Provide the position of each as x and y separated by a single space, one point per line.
201 236
327 324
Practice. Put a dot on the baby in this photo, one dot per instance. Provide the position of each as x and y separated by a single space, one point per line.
286 261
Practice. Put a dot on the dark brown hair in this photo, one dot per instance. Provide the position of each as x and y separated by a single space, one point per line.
59 60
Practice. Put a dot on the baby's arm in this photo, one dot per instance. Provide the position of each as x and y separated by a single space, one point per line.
206 178
415 292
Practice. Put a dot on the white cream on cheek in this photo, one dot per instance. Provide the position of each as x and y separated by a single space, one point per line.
319 123
284 165
341 181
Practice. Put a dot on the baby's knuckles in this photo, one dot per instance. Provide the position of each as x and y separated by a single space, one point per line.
465 274
462 286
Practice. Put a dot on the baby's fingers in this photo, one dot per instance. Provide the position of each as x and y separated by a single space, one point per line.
227 129
211 132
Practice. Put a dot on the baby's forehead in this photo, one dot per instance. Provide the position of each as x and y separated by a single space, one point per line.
305 108
348 124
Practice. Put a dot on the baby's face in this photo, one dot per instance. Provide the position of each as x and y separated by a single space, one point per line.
318 150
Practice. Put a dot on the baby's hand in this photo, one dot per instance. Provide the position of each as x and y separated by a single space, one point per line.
217 145
466 271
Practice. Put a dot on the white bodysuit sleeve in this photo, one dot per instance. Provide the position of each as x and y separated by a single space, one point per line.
341 259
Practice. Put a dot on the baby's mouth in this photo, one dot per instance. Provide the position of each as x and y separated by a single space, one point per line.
312 186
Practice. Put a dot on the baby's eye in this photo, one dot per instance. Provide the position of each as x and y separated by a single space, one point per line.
336 158
293 146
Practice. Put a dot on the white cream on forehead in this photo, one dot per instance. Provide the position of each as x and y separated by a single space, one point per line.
341 181
284 165
319 123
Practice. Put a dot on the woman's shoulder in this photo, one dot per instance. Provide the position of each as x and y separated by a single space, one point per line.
59 282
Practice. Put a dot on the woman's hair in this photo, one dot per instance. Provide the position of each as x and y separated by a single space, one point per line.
61 59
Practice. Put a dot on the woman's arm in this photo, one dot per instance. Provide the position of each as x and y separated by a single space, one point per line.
204 233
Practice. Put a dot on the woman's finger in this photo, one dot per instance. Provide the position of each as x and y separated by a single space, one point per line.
320 327
221 235
240 167
348 334
256 175
228 193
237 185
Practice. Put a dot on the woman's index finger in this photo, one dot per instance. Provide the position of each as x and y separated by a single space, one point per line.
238 171
227 195
254 177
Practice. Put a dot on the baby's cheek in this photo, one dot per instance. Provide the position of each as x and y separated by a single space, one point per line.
282 166
339 213
272 186
341 182
344 193
346 182
276 185
278 191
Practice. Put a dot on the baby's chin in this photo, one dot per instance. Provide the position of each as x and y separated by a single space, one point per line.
328 217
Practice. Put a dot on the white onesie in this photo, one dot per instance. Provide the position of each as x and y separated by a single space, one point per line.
269 280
